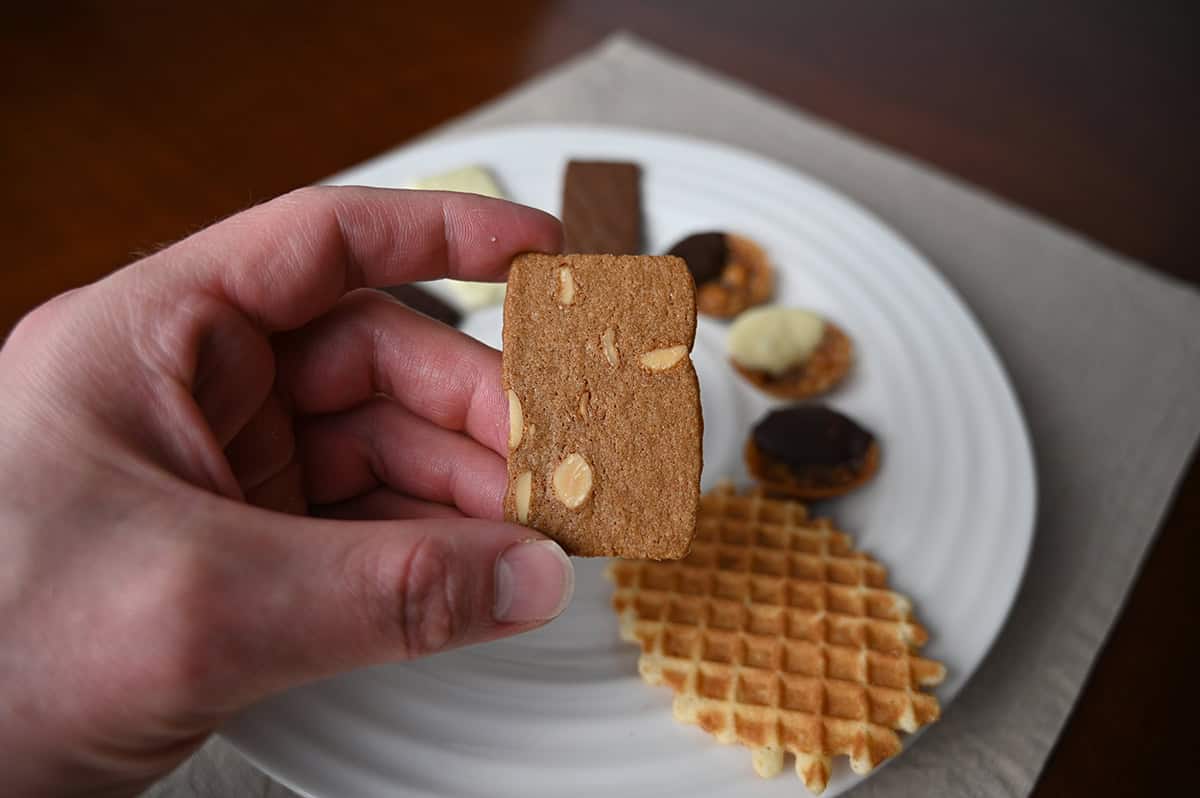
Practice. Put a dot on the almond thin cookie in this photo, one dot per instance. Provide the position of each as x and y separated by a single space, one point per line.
604 403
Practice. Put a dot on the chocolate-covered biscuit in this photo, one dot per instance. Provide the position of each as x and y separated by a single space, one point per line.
811 452
705 255
602 207
732 272
604 404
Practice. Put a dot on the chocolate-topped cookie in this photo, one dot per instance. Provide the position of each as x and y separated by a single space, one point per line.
731 272
789 352
811 452
705 255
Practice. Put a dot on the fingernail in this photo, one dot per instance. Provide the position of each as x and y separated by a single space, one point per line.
534 582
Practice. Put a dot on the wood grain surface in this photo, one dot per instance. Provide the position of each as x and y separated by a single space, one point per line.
127 125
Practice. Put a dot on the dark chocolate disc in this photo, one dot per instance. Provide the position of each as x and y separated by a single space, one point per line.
804 436
705 255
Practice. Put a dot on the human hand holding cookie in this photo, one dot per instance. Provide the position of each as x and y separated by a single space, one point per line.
229 469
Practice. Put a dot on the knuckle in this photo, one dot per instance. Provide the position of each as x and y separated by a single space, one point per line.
420 598
310 195
319 204
368 306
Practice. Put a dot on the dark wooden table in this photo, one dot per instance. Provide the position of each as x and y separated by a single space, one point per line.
127 125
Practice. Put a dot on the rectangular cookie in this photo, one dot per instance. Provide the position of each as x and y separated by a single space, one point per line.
604 404
602 207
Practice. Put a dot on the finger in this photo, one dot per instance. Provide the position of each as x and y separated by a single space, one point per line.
384 504
228 345
371 344
264 446
279 265
290 600
380 443
287 261
282 492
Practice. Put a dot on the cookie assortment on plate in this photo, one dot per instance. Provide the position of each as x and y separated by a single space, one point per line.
772 629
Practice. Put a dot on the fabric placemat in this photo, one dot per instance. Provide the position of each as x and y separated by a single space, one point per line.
1103 353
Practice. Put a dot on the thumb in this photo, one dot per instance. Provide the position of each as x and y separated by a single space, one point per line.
312 597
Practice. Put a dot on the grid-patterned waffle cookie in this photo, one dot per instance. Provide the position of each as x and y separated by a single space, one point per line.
775 633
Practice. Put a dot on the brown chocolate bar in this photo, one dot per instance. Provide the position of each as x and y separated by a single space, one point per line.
602 208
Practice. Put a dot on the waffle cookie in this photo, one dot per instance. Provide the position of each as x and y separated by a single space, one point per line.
776 633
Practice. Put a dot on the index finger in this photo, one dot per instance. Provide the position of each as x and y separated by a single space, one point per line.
289 260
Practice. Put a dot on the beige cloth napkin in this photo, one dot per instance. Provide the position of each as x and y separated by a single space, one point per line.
1105 357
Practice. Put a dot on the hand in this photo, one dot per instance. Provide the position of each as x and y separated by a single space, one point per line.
164 430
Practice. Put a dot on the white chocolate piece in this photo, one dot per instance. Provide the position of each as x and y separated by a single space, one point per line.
474 296
467 180
774 339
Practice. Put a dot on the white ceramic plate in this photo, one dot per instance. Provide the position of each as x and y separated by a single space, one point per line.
561 711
